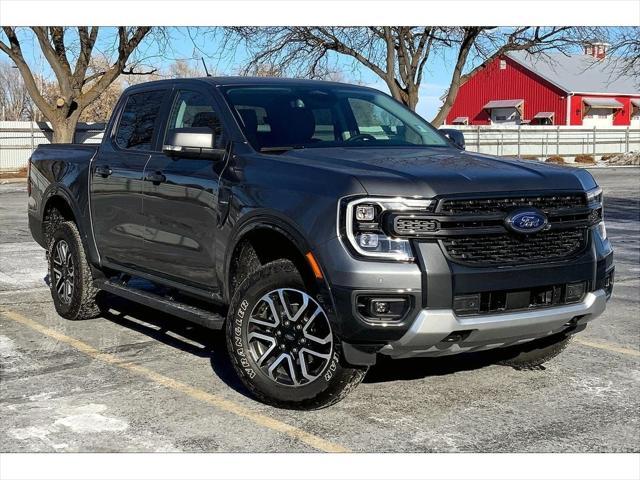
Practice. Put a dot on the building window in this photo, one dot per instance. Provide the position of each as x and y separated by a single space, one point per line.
503 64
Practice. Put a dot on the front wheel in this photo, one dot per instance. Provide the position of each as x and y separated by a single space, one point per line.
282 344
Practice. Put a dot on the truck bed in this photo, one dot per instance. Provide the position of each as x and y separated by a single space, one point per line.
63 168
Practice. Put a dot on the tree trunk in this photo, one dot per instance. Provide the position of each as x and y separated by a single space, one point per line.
438 120
470 36
64 130
412 99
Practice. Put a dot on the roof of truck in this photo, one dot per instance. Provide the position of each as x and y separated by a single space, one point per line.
220 81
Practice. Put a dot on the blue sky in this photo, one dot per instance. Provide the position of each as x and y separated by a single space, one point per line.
435 79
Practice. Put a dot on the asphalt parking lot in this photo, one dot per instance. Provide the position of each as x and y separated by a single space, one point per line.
138 380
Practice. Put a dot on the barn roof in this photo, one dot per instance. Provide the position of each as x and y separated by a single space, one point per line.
579 73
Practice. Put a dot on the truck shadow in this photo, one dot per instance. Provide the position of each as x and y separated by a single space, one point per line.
199 341
388 370
176 333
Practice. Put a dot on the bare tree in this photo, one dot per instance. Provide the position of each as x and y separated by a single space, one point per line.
78 86
14 98
100 109
625 51
398 55
182 69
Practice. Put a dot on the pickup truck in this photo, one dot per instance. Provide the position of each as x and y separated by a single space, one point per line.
320 226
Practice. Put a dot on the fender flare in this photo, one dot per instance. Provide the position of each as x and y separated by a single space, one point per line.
263 218
59 190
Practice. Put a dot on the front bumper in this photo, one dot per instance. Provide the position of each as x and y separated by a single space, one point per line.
431 327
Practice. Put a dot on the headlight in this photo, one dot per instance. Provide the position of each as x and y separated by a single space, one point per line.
594 196
595 202
361 221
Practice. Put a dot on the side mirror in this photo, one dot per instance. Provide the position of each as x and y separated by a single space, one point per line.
455 136
195 142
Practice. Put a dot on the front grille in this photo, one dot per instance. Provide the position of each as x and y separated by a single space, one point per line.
504 204
509 249
499 301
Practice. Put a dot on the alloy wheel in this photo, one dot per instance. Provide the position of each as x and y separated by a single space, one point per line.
63 271
289 337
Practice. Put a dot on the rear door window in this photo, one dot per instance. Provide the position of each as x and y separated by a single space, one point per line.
139 120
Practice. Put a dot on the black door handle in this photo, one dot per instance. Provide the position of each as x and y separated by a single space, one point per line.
155 178
104 171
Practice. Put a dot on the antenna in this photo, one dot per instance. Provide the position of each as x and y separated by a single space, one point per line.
205 67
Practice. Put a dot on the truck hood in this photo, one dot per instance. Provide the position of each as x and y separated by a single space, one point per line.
440 170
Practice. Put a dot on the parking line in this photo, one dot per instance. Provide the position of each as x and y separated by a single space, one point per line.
212 399
608 346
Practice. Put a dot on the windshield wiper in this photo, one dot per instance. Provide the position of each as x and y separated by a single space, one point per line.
281 149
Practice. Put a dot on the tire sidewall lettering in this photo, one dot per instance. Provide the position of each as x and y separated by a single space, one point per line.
237 339
241 351
332 367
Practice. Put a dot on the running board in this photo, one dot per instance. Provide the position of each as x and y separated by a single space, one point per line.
206 318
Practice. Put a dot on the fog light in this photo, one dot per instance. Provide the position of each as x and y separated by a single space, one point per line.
368 240
380 308
575 291
383 308
608 283
365 213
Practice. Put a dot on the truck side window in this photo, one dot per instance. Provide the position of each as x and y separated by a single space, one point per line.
191 110
138 120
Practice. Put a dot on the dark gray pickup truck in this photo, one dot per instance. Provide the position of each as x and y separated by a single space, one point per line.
320 225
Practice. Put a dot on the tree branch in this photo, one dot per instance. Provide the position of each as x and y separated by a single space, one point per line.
14 51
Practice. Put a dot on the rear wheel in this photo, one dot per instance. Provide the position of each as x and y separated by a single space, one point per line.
533 354
70 278
282 344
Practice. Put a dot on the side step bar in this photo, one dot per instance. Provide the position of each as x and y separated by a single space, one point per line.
206 318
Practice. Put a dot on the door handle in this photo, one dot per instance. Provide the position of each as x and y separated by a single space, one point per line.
155 178
104 171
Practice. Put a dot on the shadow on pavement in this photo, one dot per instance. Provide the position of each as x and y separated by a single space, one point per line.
199 341
177 333
388 370
624 210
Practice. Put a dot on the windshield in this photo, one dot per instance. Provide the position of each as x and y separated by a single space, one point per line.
275 117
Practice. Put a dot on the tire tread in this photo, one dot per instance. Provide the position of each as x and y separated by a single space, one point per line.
87 305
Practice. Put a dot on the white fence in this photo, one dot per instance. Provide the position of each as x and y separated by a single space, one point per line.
19 139
545 141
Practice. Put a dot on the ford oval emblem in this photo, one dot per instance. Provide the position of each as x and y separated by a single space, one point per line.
526 221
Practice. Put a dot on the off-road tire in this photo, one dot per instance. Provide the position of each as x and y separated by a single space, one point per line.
533 354
84 302
336 380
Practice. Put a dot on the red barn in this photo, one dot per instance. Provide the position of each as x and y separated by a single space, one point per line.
521 88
